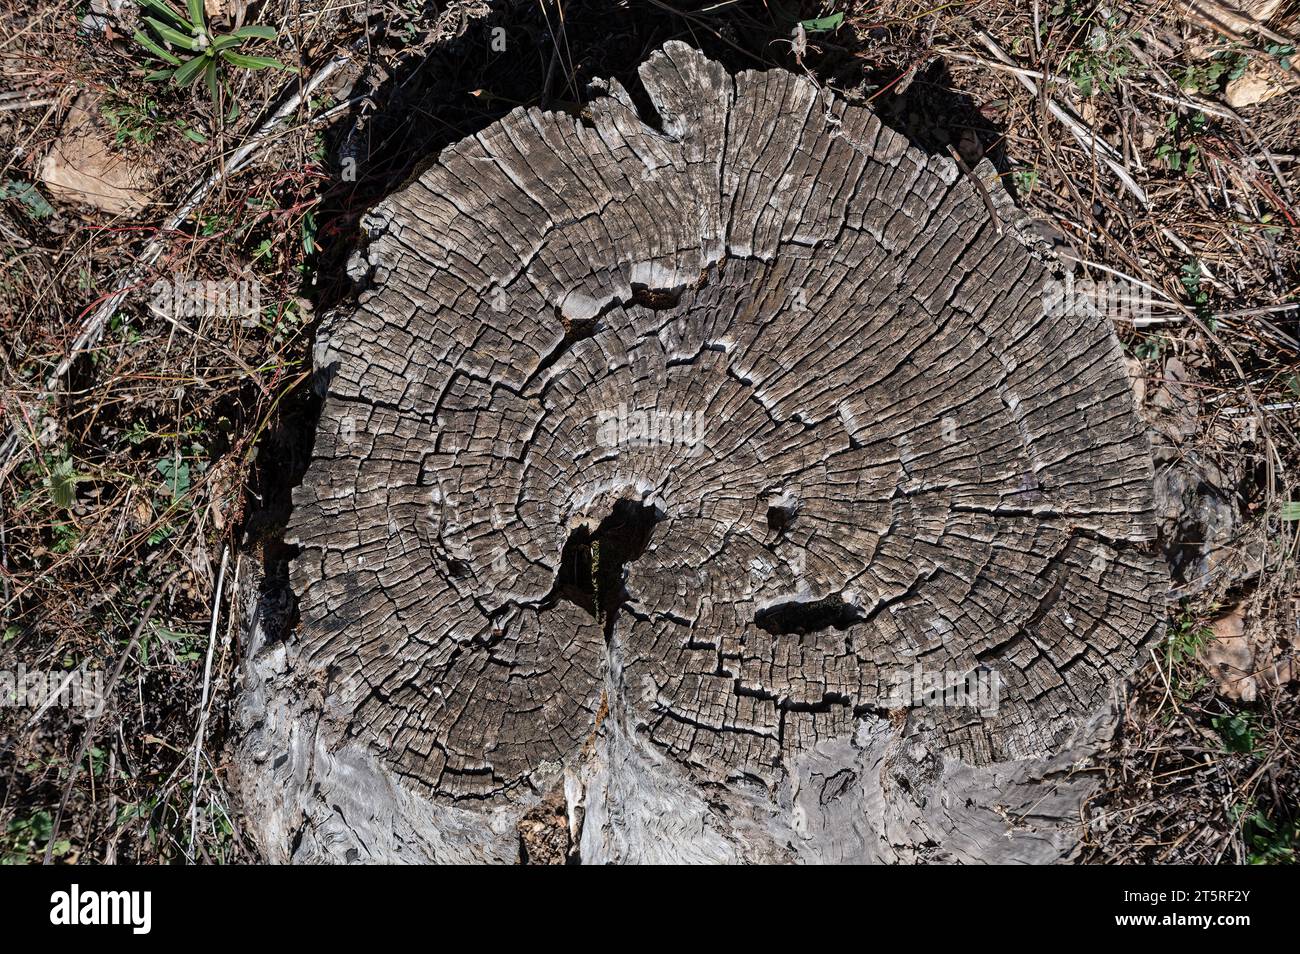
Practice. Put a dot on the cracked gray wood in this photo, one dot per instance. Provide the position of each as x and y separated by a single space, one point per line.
652 457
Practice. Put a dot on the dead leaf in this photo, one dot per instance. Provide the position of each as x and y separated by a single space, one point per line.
228 11
83 167
1260 83
1229 657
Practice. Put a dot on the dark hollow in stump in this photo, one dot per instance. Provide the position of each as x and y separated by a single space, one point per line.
663 475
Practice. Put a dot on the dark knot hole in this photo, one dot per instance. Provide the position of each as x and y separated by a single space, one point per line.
593 563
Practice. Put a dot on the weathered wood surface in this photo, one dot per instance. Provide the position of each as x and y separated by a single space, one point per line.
873 453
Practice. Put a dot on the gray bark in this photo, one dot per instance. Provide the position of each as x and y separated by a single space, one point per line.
529 630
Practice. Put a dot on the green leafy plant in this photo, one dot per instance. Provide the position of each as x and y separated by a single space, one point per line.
65 537
173 497
1147 347
1072 10
1237 732
1025 179
1270 843
137 122
62 481
308 228
34 203
1099 56
1192 273
1179 149
187 647
1209 77
25 840
1096 69
177 476
212 51
161 533
1282 52
1186 637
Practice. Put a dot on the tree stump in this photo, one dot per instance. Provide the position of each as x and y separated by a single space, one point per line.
670 474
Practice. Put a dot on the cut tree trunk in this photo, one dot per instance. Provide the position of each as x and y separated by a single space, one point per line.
662 472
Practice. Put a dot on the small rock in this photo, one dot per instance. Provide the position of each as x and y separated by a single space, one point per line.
115 7
83 167
93 24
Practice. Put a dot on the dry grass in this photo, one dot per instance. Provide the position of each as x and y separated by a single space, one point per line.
1196 778
181 440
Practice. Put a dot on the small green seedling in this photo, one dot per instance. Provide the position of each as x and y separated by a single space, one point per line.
34 203
62 482
1282 52
1237 732
213 51
1270 843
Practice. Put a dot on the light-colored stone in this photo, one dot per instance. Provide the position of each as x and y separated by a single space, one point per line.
83 167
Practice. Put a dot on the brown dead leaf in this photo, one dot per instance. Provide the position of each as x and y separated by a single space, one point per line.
83 167
1229 657
1260 83
229 11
